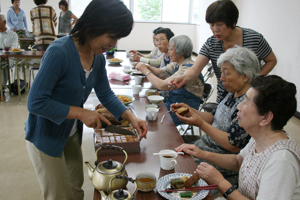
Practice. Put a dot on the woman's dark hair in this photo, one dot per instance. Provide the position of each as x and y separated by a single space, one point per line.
12 1
38 2
64 3
103 16
166 31
277 96
223 11
155 30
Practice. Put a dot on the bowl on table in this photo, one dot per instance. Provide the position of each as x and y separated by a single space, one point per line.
29 35
127 71
146 181
115 61
155 99
150 92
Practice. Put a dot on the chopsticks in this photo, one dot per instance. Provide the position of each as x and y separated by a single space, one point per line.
167 153
206 187
162 119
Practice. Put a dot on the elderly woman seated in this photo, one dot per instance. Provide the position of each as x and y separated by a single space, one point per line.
180 51
223 134
269 166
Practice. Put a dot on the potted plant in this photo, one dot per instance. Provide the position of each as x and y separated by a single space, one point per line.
111 51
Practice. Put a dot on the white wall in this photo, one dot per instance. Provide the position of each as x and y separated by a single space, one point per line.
27 5
279 22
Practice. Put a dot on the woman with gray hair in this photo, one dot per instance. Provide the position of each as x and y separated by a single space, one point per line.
223 133
180 51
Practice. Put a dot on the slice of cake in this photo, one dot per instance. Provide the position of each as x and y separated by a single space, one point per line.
182 111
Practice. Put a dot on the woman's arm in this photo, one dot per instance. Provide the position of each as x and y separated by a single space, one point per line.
221 137
8 21
212 176
155 77
138 124
190 74
74 20
270 62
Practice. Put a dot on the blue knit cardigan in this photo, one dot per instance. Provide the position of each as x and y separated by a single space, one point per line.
59 84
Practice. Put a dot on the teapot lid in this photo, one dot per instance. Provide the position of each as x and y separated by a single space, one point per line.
109 167
121 194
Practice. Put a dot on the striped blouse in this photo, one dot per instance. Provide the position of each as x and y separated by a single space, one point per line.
213 48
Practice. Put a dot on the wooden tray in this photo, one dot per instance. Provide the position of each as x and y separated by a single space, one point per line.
130 144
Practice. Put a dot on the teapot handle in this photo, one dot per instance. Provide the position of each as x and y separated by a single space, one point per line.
122 177
114 147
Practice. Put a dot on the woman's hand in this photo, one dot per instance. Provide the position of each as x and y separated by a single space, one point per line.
141 67
176 82
190 149
135 57
140 126
133 52
210 174
175 106
191 118
92 119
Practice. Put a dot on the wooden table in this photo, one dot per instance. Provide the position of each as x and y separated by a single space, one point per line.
25 42
3 64
25 55
115 84
160 136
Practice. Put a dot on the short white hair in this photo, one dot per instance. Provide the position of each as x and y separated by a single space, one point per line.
2 16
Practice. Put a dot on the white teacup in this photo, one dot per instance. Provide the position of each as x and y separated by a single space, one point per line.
136 89
127 67
167 159
152 113
138 79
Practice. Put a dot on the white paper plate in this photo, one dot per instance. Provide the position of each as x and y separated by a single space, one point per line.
164 182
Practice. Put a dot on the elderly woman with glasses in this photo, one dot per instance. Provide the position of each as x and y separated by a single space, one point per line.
269 166
180 52
223 133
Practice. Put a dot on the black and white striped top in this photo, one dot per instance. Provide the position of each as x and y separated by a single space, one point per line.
213 48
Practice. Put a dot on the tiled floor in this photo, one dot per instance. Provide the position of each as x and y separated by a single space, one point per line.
18 179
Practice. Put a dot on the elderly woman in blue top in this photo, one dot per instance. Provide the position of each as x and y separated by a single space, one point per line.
180 52
223 133
16 17
71 67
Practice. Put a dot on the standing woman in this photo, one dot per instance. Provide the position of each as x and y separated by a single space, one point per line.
44 32
71 67
16 17
222 17
66 18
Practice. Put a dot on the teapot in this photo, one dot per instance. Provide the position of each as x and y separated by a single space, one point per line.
106 170
120 193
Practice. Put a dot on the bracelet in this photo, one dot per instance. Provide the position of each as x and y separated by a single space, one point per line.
229 191
148 72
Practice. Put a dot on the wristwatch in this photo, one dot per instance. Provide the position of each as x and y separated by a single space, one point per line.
148 72
229 191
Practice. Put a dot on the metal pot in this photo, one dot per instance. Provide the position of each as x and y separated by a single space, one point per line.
106 170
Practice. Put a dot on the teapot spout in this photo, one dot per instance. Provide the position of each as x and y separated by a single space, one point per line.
104 196
90 170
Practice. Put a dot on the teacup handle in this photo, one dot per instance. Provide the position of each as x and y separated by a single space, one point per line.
174 162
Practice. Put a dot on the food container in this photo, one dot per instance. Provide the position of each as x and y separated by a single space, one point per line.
150 92
146 181
129 143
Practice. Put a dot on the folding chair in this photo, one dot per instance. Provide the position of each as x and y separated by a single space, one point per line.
208 90
36 66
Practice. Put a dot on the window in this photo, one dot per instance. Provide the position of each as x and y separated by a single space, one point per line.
174 11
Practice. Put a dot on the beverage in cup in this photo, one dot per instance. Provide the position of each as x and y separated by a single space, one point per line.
138 79
167 159
136 89
152 113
